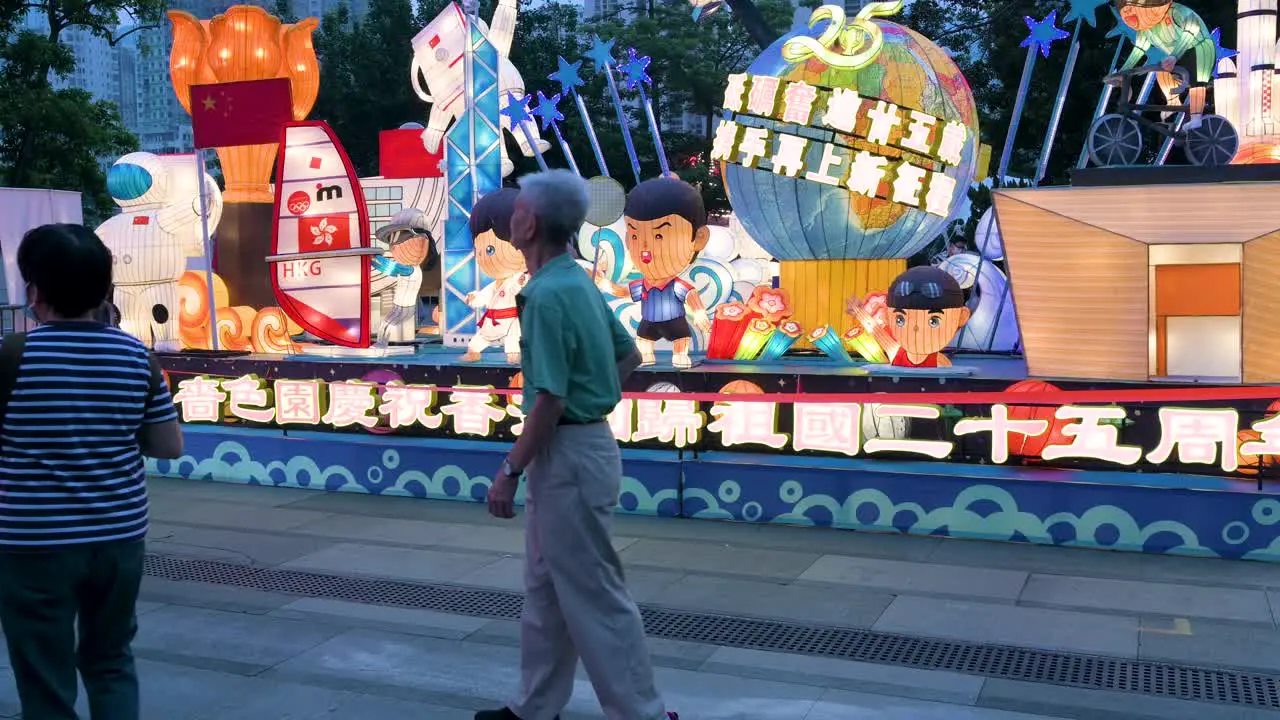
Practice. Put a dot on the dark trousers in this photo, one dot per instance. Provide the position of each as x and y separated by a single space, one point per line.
42 596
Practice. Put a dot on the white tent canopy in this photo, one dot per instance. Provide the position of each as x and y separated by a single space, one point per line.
20 210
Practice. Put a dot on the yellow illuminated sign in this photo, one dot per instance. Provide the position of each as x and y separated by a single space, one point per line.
882 151
1192 436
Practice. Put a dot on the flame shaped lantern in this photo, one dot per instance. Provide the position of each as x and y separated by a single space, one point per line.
245 43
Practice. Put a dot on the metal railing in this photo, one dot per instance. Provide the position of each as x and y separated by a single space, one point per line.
13 318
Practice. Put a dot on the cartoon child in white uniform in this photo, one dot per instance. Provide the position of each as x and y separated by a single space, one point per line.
397 276
498 259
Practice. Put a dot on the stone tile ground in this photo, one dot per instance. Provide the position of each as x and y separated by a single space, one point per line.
212 652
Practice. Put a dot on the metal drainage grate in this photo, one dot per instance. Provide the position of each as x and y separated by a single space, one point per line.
1027 665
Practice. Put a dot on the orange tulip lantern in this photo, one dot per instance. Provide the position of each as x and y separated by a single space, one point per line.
245 43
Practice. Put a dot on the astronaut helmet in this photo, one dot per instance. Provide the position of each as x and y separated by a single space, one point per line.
138 179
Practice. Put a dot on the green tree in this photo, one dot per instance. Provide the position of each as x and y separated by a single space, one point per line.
57 138
364 76
689 64
283 9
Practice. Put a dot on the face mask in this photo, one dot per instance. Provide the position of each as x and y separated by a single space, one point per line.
30 309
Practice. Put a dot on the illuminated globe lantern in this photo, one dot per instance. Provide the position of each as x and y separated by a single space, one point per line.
846 148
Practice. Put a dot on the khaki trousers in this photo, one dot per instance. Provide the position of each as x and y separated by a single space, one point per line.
576 602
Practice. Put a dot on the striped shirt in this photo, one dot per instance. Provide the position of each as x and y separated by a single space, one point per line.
71 470
660 304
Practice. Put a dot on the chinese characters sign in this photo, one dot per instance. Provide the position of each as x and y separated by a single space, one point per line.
871 147
1187 436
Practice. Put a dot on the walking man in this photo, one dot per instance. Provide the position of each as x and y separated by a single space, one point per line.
85 402
575 355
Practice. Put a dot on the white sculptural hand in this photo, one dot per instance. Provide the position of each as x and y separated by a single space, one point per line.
502 29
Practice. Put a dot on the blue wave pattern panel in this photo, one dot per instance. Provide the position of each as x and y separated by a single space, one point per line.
1224 518
1231 523
433 470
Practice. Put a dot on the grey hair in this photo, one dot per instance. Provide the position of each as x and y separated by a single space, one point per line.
559 199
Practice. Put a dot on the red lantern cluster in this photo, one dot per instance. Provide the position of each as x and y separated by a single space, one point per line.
1032 447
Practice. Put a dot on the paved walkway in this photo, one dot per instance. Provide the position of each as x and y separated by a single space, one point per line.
215 652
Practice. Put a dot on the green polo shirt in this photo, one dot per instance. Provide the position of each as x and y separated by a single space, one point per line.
570 342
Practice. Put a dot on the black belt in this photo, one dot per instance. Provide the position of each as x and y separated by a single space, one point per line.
570 421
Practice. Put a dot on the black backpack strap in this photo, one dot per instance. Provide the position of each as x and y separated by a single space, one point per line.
11 349
159 384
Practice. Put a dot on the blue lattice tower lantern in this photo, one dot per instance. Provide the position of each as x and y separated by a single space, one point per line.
473 168
847 147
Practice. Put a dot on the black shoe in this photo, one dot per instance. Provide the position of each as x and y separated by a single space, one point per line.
503 714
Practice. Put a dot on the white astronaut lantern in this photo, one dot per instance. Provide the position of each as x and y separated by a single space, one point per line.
437 60
158 228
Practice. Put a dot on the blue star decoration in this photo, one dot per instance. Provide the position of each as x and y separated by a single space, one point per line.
548 110
1121 30
568 76
1086 10
1222 53
635 68
601 52
1043 33
517 109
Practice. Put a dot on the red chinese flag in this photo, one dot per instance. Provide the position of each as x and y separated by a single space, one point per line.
401 154
240 113
324 232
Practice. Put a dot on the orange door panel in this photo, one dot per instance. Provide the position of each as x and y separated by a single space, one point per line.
1198 290
1193 291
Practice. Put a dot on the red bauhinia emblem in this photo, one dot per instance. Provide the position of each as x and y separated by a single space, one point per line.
324 232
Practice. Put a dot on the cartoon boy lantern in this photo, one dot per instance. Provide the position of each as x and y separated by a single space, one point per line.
1180 33
497 258
666 229
926 310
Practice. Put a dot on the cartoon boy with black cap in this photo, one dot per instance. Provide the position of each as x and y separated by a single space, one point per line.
666 229
926 310
1179 32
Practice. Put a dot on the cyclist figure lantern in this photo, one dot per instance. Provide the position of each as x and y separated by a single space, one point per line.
1173 42
845 148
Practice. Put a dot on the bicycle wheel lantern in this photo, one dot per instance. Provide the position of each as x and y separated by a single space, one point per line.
1214 142
1115 140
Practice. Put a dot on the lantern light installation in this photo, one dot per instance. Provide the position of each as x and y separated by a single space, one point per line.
1247 88
846 148
548 111
245 43
601 53
635 70
1082 11
1043 34
473 166
570 80
517 112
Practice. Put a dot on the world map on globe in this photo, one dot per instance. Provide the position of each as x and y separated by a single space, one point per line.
796 218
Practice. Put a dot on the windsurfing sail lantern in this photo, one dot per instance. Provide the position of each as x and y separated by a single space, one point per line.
321 248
